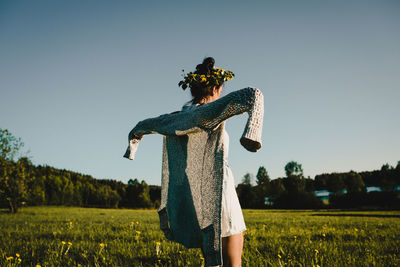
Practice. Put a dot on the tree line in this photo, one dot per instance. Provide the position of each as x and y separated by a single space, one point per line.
22 183
345 190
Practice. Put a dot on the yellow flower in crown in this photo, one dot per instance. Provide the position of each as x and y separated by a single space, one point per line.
216 78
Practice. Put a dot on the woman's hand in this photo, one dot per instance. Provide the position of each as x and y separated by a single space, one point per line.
132 135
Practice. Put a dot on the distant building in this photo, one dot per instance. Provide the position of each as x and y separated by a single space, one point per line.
373 189
323 195
269 201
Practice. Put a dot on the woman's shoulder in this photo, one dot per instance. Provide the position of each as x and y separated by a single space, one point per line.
189 106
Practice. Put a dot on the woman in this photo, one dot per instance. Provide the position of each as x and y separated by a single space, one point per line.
232 222
199 206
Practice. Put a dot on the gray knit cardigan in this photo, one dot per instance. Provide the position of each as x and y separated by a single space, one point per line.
193 166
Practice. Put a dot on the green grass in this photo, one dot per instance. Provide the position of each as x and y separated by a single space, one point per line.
272 238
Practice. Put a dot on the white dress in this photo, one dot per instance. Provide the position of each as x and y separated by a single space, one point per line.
232 221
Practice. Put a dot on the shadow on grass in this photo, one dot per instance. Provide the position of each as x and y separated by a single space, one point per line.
357 215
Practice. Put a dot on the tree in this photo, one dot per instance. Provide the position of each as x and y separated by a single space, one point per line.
262 176
354 182
247 179
13 182
277 187
138 194
261 190
292 168
246 195
388 177
294 184
335 183
9 145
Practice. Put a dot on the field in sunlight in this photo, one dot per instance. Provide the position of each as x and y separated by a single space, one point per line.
71 236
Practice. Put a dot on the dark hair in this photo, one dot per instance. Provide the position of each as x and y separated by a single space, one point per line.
200 92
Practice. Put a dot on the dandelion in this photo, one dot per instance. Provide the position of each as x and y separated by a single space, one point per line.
180 252
69 244
318 265
316 251
355 229
279 256
201 258
102 245
16 254
62 247
158 248
294 237
9 258
138 232
37 265
19 260
323 235
137 222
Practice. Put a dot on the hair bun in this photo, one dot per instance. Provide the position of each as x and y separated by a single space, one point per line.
205 67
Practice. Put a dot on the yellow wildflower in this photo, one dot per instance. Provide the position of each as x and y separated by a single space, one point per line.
279 256
63 242
158 243
137 222
102 245
316 251
16 254
180 252
138 232
37 265
69 243
9 258
355 229
323 235
19 260
201 258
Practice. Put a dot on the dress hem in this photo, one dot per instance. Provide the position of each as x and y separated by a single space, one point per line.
234 232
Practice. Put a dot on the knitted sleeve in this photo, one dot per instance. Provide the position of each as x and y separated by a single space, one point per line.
207 117
248 100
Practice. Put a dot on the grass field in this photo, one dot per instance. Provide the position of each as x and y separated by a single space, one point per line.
69 236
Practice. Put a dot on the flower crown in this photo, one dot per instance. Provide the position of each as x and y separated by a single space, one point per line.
216 78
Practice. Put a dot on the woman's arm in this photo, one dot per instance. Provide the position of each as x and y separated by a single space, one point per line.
207 117
250 100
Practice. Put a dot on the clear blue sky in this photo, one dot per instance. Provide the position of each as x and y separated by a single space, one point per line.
76 76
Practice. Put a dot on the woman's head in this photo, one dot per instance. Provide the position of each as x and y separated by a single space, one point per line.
206 82
203 92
